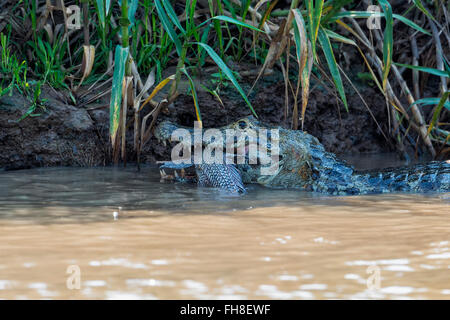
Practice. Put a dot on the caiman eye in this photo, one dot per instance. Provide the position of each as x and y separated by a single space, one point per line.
242 124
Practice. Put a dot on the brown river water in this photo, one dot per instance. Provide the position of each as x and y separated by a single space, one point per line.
108 233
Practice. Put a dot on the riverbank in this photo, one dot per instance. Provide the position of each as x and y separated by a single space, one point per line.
63 134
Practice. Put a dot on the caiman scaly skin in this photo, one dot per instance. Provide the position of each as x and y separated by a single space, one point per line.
222 176
304 164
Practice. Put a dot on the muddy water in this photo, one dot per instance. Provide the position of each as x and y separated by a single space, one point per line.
120 234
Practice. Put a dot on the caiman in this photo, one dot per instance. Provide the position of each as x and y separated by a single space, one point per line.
303 164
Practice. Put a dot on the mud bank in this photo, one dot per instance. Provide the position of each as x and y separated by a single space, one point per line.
68 135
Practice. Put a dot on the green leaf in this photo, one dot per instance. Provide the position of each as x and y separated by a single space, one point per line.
365 15
101 12
314 12
436 72
305 59
172 15
431 101
108 6
445 133
194 95
332 65
446 65
227 72
230 8
237 22
300 38
336 6
437 112
121 56
419 5
388 40
204 39
168 26
132 7
190 23
338 37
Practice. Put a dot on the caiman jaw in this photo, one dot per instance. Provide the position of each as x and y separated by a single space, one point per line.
163 131
238 149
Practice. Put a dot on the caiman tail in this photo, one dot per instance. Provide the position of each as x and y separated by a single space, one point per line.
333 176
433 176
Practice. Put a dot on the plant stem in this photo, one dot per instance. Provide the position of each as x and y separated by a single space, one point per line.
180 65
86 21
125 37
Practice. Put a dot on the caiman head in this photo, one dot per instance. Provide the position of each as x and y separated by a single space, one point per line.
270 156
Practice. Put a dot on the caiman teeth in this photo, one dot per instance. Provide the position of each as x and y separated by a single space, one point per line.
163 173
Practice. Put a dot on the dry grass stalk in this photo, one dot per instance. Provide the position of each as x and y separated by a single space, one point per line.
389 92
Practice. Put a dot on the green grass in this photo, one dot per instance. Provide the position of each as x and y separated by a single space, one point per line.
14 70
162 34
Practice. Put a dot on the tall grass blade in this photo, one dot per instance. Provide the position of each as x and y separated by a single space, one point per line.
314 11
431 101
148 84
236 22
107 6
158 88
419 5
348 28
332 65
333 7
132 8
302 56
121 56
194 96
167 25
123 127
438 110
436 72
190 14
388 40
172 15
338 37
366 14
87 63
268 12
137 101
300 39
204 39
101 12
227 72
